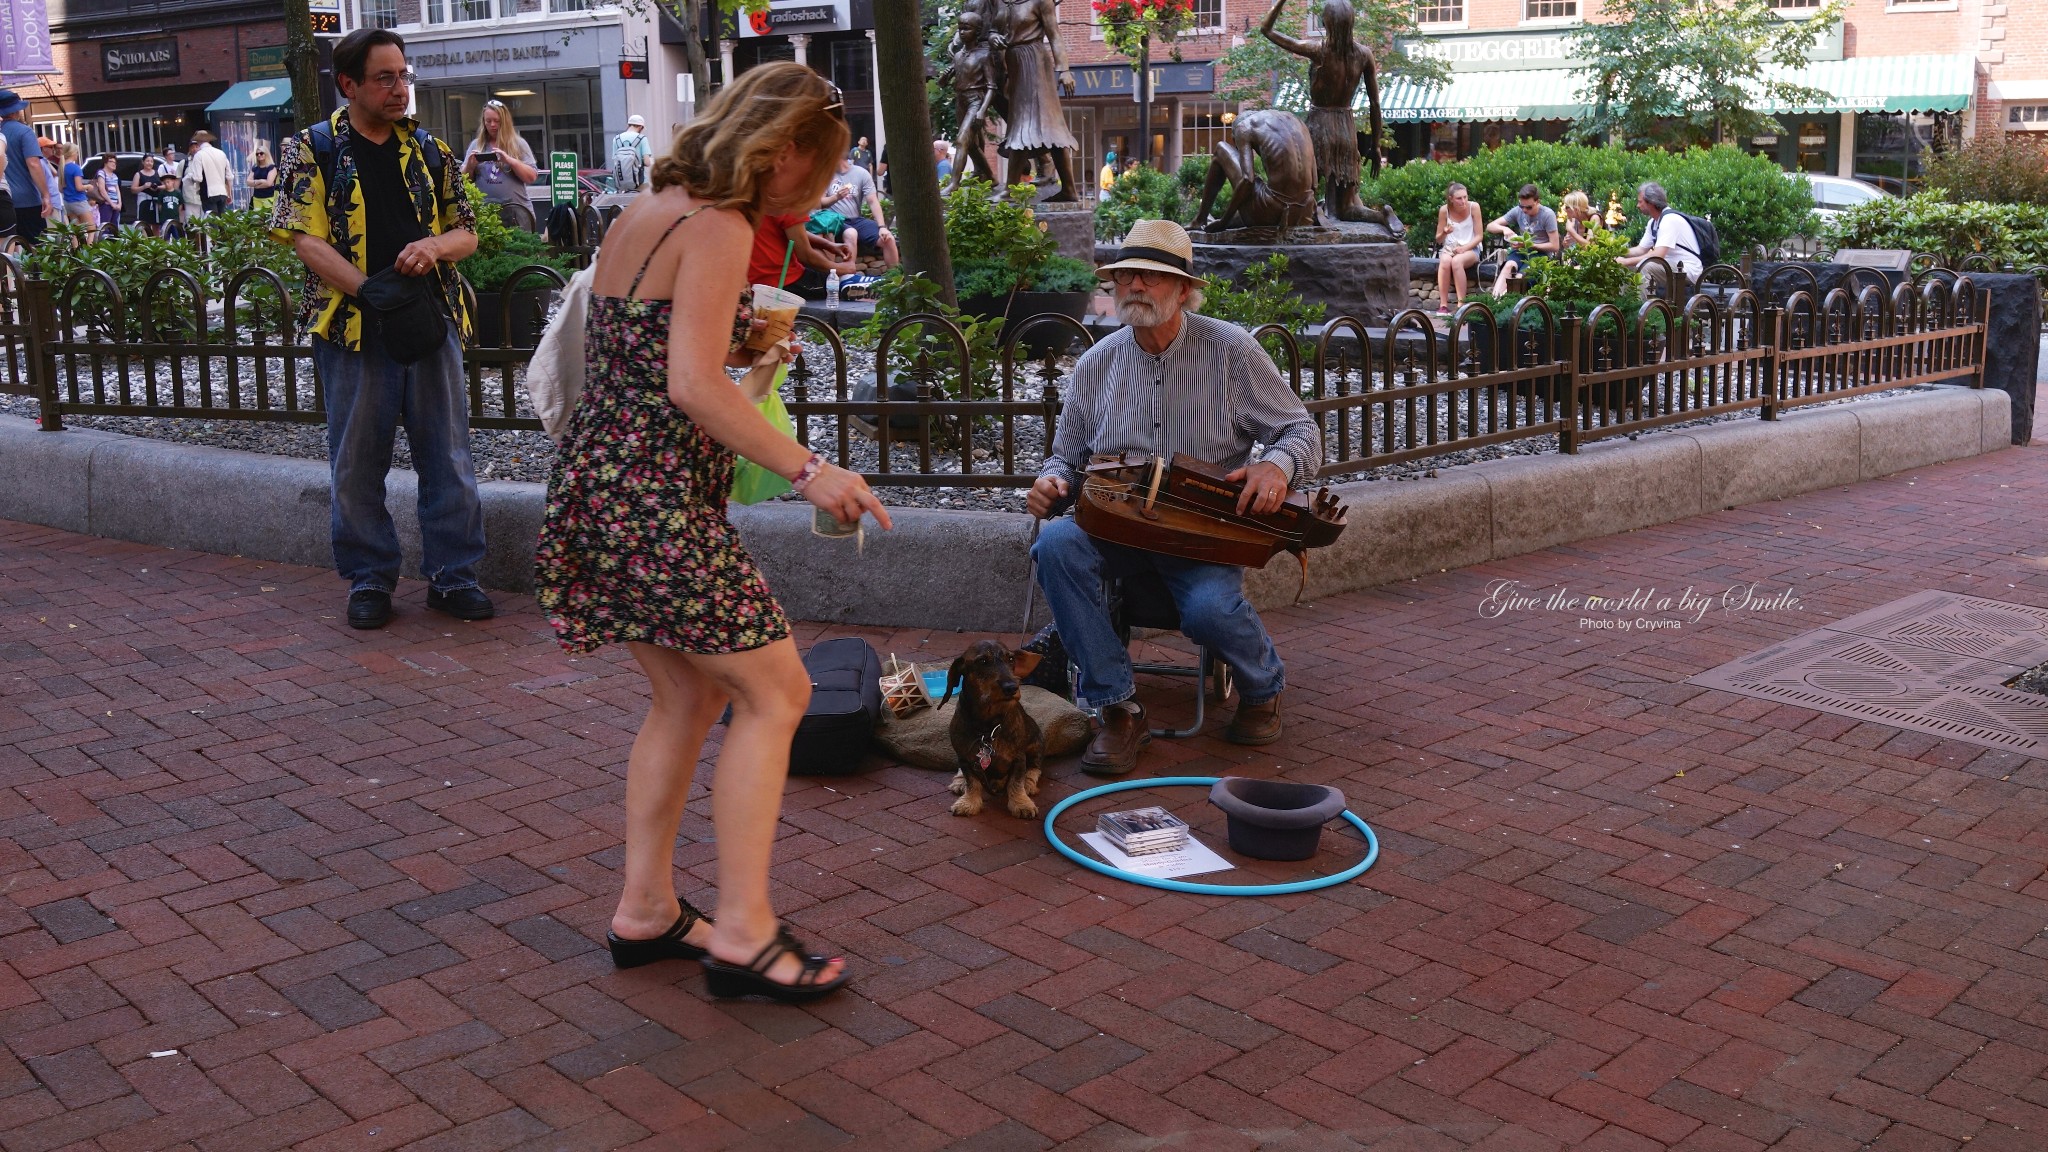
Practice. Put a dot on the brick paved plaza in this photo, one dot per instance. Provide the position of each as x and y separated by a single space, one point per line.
274 883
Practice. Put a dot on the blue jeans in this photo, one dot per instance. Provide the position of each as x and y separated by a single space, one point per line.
1213 613
368 396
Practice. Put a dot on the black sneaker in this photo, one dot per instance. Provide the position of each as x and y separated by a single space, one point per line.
369 608
463 603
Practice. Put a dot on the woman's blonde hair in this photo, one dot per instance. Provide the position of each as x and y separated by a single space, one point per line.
71 151
508 139
726 154
1576 202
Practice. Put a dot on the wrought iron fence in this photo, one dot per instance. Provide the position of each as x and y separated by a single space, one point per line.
936 412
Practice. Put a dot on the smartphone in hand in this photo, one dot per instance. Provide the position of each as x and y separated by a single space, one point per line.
487 157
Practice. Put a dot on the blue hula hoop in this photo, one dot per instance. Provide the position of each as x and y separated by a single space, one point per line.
1372 847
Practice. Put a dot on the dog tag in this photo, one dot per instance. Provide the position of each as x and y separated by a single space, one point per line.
985 757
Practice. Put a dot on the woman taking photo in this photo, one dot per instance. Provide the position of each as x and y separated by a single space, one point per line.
499 159
636 548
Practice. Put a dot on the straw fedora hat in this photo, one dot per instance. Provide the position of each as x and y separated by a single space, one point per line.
1156 246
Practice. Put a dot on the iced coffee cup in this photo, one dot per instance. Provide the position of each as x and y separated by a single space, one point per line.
776 308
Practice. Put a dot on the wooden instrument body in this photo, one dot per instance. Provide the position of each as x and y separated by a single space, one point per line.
1186 508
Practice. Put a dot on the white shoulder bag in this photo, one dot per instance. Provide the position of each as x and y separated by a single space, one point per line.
554 377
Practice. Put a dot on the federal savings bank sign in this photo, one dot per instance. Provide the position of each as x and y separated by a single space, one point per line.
535 52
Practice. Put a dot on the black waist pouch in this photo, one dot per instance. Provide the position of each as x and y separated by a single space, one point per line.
407 311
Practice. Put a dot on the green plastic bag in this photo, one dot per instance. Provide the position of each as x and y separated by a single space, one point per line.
752 483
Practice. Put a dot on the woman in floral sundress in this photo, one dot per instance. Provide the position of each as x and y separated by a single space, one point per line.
636 548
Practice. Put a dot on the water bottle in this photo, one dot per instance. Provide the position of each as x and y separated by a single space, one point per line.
832 289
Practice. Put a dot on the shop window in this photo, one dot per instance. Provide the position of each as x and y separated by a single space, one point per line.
2027 117
380 13
1439 11
1202 126
1550 9
1208 16
571 5
465 11
852 65
1795 5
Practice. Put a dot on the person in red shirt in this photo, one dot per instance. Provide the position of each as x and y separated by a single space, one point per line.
772 240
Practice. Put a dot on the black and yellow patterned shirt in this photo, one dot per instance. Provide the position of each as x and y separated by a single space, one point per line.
304 205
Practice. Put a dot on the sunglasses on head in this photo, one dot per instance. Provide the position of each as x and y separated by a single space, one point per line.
835 100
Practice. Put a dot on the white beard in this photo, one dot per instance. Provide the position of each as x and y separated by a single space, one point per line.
1141 313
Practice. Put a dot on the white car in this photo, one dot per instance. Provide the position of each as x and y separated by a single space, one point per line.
1833 194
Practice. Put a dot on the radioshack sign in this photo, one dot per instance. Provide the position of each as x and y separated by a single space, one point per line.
782 19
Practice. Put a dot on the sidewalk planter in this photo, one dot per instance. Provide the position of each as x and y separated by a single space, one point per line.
1274 819
1045 339
529 316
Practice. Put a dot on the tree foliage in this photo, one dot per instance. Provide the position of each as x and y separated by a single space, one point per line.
1999 167
1260 74
1692 71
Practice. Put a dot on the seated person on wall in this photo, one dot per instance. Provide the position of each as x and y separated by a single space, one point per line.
783 252
1171 380
840 211
1669 237
1527 218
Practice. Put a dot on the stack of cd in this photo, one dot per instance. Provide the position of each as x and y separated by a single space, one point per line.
1143 830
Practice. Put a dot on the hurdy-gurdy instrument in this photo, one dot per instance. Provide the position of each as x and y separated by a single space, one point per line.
1184 507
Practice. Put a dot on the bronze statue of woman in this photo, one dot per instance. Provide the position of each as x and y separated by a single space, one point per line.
1337 65
1037 78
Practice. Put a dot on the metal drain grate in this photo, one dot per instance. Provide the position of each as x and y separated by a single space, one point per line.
1933 662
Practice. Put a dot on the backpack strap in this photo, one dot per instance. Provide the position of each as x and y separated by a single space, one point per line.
321 137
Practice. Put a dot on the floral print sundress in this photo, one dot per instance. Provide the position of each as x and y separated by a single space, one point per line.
636 546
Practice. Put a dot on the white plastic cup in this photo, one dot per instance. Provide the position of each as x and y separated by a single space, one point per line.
779 309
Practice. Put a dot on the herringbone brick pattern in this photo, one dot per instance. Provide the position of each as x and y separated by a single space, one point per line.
271 883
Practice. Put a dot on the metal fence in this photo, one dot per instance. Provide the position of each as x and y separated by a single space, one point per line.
936 412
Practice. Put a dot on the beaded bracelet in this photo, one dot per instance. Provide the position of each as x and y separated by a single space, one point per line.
808 472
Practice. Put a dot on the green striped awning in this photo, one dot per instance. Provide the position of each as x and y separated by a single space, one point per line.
1537 94
1886 84
1858 84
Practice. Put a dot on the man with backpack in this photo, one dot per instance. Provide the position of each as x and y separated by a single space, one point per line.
1686 243
374 207
631 155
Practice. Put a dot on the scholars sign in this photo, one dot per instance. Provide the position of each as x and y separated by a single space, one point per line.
139 59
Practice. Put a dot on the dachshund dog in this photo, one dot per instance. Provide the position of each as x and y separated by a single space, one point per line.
997 745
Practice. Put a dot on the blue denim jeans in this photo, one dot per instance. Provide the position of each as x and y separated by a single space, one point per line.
369 396
1213 613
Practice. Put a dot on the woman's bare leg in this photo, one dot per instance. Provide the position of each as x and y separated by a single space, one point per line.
769 691
686 704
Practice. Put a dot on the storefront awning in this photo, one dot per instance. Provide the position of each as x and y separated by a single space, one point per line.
254 96
1886 84
1859 84
1535 94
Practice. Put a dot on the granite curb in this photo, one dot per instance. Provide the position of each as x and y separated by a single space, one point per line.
968 570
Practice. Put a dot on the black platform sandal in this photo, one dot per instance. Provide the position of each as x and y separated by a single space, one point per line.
670 945
729 980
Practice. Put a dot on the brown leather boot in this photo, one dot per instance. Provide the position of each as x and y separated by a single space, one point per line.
1255 723
1118 735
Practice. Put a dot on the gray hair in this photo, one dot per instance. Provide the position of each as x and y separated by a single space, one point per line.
1194 301
1652 193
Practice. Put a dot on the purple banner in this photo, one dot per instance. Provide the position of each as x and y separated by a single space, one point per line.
25 37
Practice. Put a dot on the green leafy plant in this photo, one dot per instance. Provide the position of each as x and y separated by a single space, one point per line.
1749 199
129 258
901 294
1262 294
1692 71
1140 194
502 250
1935 223
236 241
1585 275
1997 167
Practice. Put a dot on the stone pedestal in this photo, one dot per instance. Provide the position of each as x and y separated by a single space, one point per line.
1358 270
1072 226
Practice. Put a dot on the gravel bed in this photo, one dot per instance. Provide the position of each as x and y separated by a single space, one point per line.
529 456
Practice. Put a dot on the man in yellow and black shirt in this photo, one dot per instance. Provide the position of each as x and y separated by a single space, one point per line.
363 192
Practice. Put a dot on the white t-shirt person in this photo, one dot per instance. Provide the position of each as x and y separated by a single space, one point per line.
1672 231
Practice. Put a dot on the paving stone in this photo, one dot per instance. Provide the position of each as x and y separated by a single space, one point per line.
363 899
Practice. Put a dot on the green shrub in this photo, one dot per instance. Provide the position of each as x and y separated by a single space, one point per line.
1141 194
1749 198
1261 294
1998 167
130 258
240 240
899 294
502 250
1934 223
1585 275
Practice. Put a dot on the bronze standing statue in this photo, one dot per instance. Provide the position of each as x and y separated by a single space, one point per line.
1285 196
976 78
1035 77
1337 65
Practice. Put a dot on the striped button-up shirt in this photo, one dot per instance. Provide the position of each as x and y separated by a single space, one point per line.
1213 394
